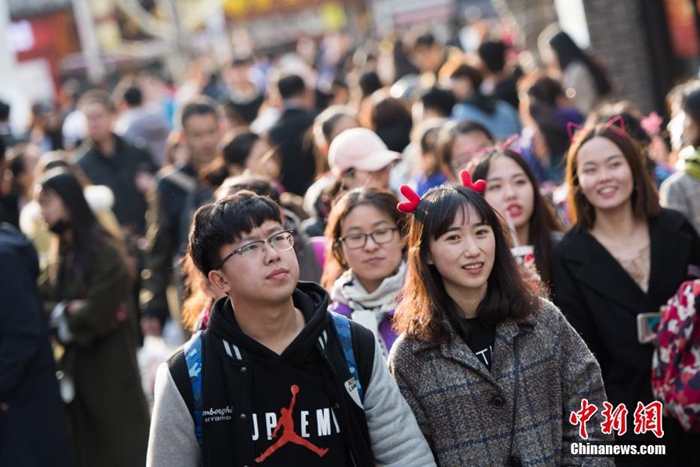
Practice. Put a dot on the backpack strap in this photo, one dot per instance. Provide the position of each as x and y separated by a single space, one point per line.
344 331
186 369
178 370
364 345
193 358
349 350
341 309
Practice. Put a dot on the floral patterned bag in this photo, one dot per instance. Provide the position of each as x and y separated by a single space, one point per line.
675 372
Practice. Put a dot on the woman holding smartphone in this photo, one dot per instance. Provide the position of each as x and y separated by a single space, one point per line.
624 256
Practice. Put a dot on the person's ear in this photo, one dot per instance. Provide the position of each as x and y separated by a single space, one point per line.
429 260
219 281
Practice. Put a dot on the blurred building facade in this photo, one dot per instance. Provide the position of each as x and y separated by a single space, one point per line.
42 33
648 45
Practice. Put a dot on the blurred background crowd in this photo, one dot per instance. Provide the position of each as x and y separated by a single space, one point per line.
133 113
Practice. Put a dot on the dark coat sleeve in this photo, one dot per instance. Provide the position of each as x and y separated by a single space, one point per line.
20 321
33 429
695 250
107 292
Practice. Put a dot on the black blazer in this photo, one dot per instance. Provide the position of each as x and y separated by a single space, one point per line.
601 300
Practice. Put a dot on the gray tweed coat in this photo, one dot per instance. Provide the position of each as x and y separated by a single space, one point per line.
466 412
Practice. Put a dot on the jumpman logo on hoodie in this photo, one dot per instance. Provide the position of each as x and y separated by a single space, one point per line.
289 435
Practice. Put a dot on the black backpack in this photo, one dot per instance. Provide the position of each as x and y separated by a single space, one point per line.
186 368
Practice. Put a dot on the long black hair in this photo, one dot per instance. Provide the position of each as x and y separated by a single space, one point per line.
82 220
568 52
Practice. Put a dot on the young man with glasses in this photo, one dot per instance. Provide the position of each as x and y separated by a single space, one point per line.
273 375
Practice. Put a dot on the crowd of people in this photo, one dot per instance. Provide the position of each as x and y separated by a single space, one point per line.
394 253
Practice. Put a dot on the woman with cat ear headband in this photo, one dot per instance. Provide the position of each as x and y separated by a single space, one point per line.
625 255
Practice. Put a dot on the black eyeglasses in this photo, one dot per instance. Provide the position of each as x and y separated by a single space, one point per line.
281 241
359 240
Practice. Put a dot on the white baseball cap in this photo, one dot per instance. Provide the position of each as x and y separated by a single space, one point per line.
361 149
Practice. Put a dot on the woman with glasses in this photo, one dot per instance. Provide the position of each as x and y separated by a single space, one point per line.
365 266
624 256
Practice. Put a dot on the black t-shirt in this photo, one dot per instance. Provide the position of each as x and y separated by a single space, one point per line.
480 339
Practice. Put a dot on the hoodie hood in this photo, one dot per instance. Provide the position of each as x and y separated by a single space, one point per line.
242 376
12 240
308 297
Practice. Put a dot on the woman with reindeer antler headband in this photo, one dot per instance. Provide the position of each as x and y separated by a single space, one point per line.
491 370
624 256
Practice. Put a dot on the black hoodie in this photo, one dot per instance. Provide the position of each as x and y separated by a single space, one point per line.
248 390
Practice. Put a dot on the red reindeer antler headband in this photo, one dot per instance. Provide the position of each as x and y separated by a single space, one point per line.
408 207
413 199
466 179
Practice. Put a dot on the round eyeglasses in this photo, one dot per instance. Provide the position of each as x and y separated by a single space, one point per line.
281 241
359 240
